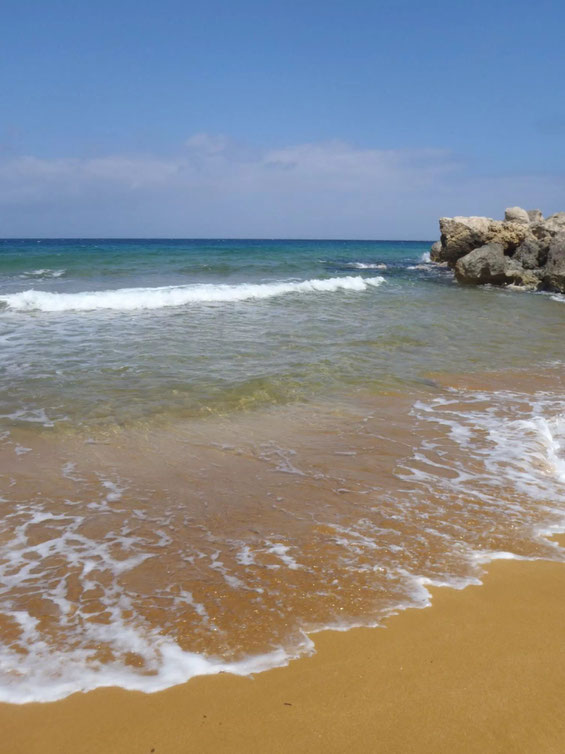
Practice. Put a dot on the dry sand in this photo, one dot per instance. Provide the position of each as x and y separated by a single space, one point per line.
483 670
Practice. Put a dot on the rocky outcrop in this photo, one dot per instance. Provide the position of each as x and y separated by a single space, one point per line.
460 235
523 249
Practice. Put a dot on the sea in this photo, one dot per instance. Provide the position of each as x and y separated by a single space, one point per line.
210 450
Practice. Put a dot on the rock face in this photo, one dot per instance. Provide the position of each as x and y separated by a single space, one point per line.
460 235
531 254
558 219
523 249
435 251
487 264
554 277
535 215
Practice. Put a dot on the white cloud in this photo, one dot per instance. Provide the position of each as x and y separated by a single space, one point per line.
207 143
214 187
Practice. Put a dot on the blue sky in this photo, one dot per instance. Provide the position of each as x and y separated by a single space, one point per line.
296 119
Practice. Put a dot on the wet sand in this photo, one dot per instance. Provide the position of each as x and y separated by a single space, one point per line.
483 670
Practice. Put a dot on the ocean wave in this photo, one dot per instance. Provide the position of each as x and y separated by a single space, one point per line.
424 263
43 273
131 299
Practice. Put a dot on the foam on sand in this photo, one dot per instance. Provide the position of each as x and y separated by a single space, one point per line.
44 679
131 299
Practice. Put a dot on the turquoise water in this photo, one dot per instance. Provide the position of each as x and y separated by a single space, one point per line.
96 331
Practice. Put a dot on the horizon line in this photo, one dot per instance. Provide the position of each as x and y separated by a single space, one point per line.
207 238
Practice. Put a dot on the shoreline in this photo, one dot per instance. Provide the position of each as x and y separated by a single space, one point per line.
482 670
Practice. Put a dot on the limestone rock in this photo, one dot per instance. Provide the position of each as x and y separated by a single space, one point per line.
531 254
486 264
516 215
518 276
460 235
554 272
535 215
510 235
522 250
435 252
544 231
489 264
557 219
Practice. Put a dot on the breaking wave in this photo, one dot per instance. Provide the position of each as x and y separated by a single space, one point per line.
131 299
365 266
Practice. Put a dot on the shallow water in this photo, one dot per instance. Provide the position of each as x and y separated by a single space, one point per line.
210 449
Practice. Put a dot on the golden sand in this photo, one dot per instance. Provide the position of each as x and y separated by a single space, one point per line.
483 670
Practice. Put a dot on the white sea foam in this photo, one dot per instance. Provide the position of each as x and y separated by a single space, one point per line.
44 675
43 273
131 299
522 455
281 458
34 416
365 266
20 450
423 263
245 557
281 551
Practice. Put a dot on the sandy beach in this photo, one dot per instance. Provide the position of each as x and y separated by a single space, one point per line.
482 670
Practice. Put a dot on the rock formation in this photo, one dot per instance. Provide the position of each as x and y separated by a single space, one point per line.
523 249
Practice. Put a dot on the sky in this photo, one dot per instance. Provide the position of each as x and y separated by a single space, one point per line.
249 119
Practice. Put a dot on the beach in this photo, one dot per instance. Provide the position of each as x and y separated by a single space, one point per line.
234 475
482 670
